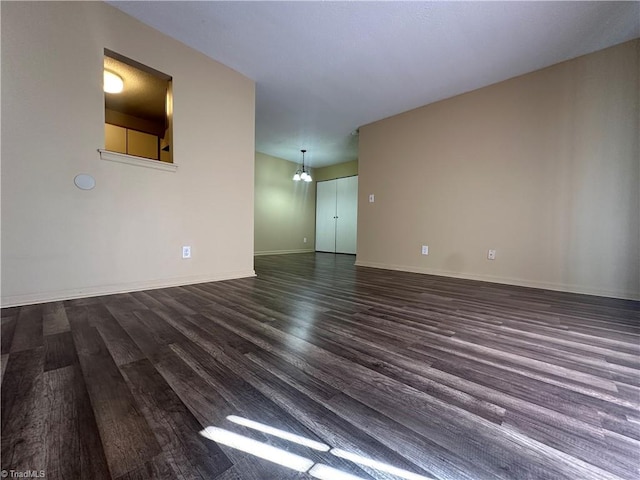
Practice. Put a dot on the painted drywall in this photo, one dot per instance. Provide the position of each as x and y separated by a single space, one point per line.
544 168
340 170
284 209
126 234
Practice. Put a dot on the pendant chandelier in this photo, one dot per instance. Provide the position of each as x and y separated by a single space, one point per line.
302 174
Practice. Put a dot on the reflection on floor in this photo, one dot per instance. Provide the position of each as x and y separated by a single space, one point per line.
386 373
296 462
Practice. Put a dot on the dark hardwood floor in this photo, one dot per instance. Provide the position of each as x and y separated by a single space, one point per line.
442 378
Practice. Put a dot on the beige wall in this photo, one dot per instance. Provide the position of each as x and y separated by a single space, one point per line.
340 170
544 168
285 210
126 234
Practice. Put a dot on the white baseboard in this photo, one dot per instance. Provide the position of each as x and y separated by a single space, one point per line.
94 291
505 281
282 252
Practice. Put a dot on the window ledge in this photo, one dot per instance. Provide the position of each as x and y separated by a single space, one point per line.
137 161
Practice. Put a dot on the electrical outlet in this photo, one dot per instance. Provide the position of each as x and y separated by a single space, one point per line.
425 249
491 255
186 251
372 198
304 240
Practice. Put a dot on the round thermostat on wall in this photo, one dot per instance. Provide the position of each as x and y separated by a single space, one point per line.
84 181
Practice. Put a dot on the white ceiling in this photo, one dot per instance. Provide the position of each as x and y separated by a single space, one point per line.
322 69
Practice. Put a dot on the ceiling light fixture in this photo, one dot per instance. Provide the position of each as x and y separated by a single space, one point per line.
113 83
302 174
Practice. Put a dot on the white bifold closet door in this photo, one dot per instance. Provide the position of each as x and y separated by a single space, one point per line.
337 215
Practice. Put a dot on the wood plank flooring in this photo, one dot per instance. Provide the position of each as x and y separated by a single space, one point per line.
440 378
